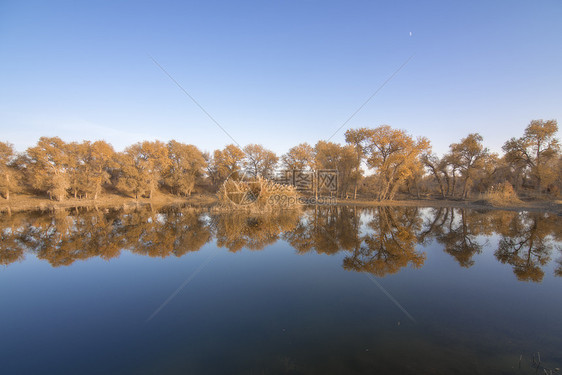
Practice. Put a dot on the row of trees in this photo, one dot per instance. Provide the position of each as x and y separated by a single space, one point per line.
395 162
84 170
531 162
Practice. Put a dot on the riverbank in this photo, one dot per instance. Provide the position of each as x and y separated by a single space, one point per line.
478 204
18 203
33 203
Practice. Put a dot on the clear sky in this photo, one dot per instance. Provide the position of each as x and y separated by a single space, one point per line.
276 72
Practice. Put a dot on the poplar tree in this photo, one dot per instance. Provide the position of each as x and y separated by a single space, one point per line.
8 181
537 151
47 168
186 166
300 157
259 161
142 166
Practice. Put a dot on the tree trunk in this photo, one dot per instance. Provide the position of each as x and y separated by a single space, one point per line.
441 187
538 166
384 192
448 181
8 186
463 195
454 184
539 182
391 194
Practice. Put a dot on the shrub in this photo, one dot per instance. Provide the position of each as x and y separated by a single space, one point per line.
257 195
502 194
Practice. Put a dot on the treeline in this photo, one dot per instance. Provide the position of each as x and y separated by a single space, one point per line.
526 241
396 162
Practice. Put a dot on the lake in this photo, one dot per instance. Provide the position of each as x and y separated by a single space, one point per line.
329 290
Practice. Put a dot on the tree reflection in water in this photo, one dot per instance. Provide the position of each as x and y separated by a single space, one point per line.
527 245
238 230
389 243
459 231
63 237
327 230
379 241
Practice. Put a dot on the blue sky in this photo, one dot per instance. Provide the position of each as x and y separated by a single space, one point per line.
276 72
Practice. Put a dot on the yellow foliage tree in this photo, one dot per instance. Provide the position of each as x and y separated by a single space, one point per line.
7 178
299 157
537 151
142 166
185 167
259 161
393 154
48 167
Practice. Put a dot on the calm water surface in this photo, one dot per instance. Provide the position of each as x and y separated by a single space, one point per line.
326 291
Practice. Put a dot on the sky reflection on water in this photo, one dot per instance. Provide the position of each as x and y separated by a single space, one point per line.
78 288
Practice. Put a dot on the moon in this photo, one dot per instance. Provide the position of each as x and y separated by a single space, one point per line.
410 33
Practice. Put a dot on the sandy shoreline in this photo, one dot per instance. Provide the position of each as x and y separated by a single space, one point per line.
32 203
532 206
20 203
